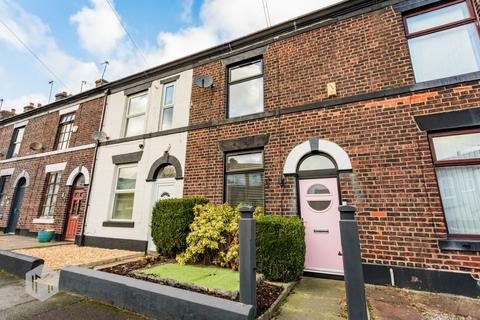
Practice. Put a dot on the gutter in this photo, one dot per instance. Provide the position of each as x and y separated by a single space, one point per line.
81 241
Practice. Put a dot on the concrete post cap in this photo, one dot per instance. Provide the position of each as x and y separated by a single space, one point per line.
347 212
246 212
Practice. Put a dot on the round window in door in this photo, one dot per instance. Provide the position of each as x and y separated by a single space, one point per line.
319 198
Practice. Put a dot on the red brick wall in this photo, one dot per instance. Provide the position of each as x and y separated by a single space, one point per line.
361 54
392 171
43 129
392 166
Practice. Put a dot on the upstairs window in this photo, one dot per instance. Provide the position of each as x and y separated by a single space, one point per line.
245 88
136 114
167 107
65 130
244 179
443 41
457 164
53 185
16 142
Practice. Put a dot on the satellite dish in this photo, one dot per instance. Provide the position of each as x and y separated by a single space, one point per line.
99 136
203 81
36 146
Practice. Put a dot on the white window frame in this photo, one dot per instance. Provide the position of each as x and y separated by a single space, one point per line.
124 191
51 212
136 115
167 106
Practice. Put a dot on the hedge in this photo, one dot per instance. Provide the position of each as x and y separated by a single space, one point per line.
280 248
171 219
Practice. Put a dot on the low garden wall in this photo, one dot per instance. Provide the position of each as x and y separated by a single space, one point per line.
18 264
150 299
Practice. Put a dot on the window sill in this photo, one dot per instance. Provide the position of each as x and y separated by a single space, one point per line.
119 224
44 220
459 245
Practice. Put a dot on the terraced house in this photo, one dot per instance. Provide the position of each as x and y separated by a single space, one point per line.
46 157
374 104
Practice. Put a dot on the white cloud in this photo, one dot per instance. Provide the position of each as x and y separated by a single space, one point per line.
225 20
98 28
19 102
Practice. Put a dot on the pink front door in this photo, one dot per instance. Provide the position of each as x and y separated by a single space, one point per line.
319 209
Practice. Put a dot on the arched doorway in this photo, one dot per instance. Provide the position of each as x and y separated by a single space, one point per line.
17 202
319 200
165 183
74 208
315 164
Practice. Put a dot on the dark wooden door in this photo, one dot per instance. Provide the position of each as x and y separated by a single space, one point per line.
17 202
74 213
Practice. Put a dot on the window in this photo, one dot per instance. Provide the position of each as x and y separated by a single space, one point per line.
245 89
457 165
244 179
443 41
3 193
124 193
136 113
167 171
65 130
53 184
16 142
167 107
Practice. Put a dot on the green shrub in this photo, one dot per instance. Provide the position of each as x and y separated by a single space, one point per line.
280 248
171 219
214 236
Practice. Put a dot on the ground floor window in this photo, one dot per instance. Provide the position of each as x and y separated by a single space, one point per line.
3 195
124 193
244 182
457 160
53 185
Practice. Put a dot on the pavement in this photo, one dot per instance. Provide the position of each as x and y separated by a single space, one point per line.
323 299
14 242
15 304
314 299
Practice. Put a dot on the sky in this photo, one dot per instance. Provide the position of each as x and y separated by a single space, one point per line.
71 39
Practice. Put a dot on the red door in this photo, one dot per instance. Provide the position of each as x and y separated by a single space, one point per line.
73 213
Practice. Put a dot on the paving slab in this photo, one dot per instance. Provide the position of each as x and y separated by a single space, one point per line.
15 304
314 298
13 242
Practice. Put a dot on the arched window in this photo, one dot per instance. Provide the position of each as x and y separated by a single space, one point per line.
167 171
316 162
80 181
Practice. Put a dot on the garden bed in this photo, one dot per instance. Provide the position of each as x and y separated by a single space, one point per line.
267 293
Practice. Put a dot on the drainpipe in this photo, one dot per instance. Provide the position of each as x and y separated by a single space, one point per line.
81 241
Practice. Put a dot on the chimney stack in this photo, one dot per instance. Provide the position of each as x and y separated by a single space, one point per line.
61 95
14 111
6 114
100 82
29 107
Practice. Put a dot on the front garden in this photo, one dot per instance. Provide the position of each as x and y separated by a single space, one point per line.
198 250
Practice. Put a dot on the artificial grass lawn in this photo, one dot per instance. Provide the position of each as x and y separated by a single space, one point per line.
203 276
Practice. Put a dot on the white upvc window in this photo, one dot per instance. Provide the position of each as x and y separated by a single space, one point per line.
136 114
167 106
124 193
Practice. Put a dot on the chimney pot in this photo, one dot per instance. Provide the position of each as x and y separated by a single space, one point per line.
100 82
61 95
29 107
39 105
13 111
